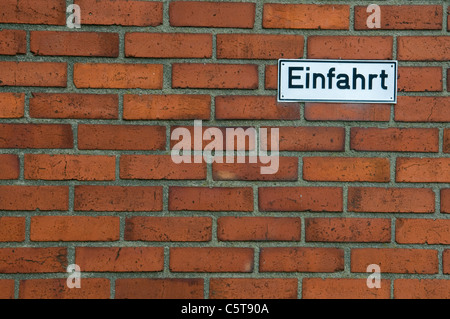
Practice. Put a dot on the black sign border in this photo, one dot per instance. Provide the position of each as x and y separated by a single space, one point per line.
395 62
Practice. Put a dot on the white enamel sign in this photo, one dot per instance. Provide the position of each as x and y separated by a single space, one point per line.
358 81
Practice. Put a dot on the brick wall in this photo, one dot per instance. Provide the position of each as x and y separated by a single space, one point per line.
86 176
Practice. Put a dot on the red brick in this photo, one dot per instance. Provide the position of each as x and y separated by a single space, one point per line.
13 42
406 17
421 289
422 109
211 199
33 12
306 16
118 76
120 259
160 167
287 170
121 12
446 261
70 167
7 289
252 288
271 77
60 43
258 229
303 139
243 107
12 105
422 231
350 47
346 169
419 79
343 288
91 288
212 14
74 106
170 288
394 139
118 198
168 45
315 199
170 229
33 260
423 48
12 229
259 46
36 136
214 76
44 74
28 198
121 137
445 200
347 112
74 228
390 200
211 259
9 166
166 107
301 259
341 230
424 170
395 260
446 146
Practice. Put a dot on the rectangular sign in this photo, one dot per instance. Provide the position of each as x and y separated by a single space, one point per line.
358 81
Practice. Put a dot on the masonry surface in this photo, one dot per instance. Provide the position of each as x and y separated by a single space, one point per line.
86 175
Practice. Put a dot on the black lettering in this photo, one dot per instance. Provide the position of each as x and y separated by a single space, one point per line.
315 77
357 76
383 77
343 84
293 77
330 76
371 77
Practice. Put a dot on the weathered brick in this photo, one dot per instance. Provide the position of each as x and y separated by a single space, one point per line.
166 107
214 76
121 137
170 288
306 16
70 167
259 46
118 76
212 14
61 43
168 45
363 230
258 229
118 198
120 259
346 169
43 74
171 229
395 260
121 12
211 259
13 42
74 106
391 200
315 199
211 199
252 288
74 228
296 259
